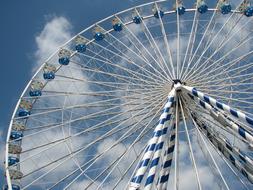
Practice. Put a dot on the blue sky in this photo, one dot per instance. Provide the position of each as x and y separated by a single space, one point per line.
21 22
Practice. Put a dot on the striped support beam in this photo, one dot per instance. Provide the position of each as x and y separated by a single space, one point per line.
166 166
245 134
228 151
215 103
153 143
247 161
155 160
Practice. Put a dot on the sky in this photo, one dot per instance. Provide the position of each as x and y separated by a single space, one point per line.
27 23
31 31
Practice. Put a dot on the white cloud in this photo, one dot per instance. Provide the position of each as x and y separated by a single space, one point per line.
2 153
55 33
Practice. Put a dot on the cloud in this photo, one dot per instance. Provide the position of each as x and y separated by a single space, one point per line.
55 32
2 148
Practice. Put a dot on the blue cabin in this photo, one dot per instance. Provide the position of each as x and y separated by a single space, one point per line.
24 108
81 47
248 11
16 135
137 19
98 33
49 71
202 7
64 60
49 75
225 8
23 112
13 186
80 44
98 36
36 88
117 27
12 160
35 93
64 57
180 9
158 13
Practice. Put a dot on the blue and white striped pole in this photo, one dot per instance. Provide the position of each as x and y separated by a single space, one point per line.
166 166
149 151
236 128
155 160
232 154
215 103
247 161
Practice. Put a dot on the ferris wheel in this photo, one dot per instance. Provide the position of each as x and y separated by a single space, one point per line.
158 96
